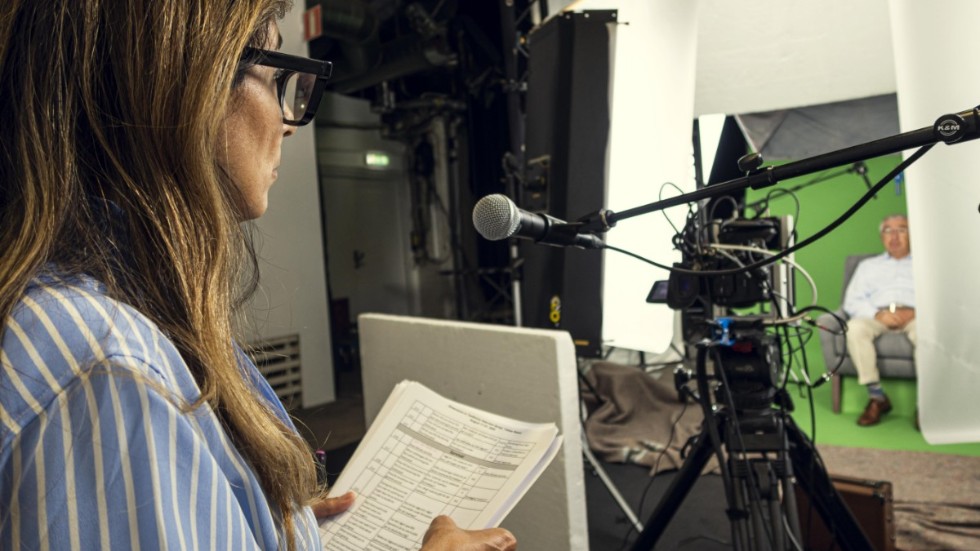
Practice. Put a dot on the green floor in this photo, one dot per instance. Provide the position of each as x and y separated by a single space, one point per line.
895 432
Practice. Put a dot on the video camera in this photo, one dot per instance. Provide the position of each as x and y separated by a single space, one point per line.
709 279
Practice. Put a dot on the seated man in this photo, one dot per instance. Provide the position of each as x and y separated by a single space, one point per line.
880 298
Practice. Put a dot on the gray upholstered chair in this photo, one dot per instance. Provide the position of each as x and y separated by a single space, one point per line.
895 354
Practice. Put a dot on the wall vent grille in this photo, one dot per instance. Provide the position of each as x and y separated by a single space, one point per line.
278 360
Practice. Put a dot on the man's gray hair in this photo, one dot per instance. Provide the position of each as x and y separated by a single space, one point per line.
881 226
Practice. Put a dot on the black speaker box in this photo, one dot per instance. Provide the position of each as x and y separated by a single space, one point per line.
567 134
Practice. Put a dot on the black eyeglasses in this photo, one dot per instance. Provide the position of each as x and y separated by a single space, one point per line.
300 81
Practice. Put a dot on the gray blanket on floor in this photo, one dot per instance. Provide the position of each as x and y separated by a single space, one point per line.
638 418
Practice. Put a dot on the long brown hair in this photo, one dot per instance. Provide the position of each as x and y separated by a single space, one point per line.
108 104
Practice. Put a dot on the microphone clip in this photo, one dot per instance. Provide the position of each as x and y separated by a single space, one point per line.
601 220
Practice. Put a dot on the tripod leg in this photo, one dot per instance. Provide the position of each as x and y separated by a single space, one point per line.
789 501
753 495
815 481
676 492
776 514
742 529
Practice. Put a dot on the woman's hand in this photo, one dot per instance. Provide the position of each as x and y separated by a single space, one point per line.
333 505
444 535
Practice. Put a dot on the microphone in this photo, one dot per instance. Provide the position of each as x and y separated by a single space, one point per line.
496 217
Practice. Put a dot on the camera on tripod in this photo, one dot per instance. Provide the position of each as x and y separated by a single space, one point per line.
727 265
713 278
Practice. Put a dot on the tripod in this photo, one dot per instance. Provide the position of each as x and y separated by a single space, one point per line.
754 481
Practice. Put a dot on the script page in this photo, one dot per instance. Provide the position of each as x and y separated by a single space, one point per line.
426 456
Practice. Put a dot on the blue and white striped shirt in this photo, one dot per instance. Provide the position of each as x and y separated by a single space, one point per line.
95 452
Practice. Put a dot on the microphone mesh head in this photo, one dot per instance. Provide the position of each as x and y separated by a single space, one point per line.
496 217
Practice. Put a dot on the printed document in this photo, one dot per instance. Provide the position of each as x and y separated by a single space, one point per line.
425 456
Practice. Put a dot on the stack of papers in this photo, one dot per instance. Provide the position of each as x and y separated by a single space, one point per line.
426 455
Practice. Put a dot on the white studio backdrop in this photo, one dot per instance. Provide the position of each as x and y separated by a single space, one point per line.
649 144
935 63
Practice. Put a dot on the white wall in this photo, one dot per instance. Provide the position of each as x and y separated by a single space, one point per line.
773 54
293 294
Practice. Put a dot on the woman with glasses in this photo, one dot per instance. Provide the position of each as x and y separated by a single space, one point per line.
135 137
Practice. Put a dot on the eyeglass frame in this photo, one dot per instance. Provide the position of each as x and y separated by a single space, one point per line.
899 231
291 64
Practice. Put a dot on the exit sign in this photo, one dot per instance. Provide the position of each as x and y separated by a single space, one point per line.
313 23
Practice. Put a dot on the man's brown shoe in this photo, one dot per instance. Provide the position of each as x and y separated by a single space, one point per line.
873 412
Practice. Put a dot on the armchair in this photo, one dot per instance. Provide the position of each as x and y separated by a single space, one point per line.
896 357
